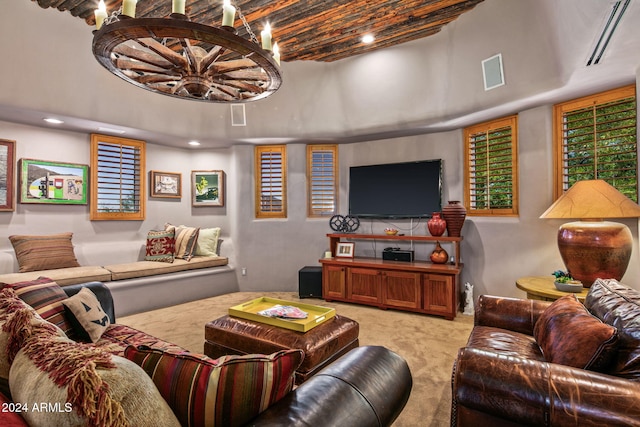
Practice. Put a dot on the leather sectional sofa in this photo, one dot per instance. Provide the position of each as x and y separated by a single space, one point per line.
556 363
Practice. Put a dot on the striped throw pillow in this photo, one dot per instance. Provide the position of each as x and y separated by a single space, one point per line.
45 296
186 239
228 391
35 253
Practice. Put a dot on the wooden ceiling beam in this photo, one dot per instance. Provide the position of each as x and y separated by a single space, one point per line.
307 29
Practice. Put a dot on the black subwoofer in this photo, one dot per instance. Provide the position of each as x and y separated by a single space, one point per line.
310 282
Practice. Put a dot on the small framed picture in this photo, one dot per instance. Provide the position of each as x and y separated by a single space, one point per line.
165 184
207 188
53 182
345 249
7 161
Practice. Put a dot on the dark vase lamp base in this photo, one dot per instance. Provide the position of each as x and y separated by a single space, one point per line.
595 249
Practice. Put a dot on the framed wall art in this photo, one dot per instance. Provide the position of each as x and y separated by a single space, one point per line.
165 184
345 250
53 182
7 176
207 188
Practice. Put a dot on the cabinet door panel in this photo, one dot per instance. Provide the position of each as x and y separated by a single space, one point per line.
401 289
364 285
439 294
333 282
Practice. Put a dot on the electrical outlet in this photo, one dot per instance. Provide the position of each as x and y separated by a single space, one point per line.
244 271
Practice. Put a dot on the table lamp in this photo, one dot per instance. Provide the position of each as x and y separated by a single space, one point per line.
592 247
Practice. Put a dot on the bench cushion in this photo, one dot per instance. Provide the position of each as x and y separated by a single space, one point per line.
151 268
62 276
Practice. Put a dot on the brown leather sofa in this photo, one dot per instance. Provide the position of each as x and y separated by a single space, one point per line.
502 378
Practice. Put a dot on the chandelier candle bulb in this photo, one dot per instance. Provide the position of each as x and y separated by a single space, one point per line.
228 14
129 8
177 6
265 35
101 14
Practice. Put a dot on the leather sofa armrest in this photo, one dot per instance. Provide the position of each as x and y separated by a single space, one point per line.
513 314
530 392
369 386
102 292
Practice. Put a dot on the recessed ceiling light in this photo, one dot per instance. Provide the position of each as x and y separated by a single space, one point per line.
194 143
53 121
368 39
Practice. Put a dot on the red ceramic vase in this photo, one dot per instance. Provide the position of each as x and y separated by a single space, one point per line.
436 225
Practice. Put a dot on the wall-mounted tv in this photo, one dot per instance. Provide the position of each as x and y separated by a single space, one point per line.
396 190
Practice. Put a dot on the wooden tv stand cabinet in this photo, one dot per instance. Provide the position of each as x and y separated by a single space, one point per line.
418 286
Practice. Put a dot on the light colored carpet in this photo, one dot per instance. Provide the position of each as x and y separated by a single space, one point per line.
428 343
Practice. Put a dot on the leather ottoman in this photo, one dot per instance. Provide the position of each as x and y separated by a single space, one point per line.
321 345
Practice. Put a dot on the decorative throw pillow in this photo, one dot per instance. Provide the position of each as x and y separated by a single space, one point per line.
207 244
87 316
186 239
49 252
16 317
83 385
45 296
161 245
228 391
569 335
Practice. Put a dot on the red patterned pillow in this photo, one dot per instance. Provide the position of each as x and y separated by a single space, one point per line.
228 391
161 246
569 335
45 296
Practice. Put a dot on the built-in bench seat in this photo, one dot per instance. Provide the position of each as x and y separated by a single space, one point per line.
75 275
136 286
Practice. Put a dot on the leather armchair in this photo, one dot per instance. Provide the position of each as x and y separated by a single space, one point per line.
501 378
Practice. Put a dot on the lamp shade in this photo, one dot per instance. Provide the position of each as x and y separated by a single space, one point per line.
593 248
592 199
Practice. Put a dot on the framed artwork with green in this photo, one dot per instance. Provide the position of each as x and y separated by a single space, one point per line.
55 183
207 188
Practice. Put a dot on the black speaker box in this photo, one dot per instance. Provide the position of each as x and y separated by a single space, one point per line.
397 255
310 282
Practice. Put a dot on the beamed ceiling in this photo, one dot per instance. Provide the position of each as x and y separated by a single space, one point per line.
315 30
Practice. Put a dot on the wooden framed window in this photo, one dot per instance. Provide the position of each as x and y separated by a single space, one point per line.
271 181
322 180
117 178
491 168
595 137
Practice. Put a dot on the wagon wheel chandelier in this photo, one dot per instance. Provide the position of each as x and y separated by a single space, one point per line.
177 57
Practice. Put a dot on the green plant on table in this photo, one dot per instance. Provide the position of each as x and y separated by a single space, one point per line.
562 276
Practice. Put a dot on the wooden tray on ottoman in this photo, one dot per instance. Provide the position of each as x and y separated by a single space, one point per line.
321 345
316 314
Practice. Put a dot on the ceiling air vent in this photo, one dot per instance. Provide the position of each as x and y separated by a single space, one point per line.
617 11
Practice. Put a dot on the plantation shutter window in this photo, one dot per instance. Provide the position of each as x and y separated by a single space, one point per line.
322 178
491 168
117 178
596 138
271 178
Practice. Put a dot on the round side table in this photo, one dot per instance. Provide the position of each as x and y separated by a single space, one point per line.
542 288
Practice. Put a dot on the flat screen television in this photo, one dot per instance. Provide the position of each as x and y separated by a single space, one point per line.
396 190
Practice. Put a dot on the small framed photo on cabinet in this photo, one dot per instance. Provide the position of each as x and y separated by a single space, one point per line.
345 249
